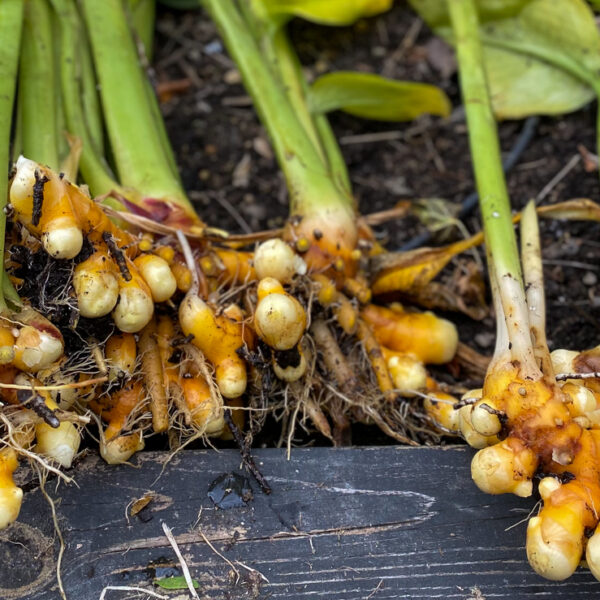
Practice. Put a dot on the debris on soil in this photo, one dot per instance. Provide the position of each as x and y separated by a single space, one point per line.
230 490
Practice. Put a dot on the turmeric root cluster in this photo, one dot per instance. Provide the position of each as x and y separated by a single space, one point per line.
152 381
546 431
115 272
174 335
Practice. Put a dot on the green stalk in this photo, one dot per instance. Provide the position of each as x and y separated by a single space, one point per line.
274 41
94 169
143 163
17 141
11 20
313 191
37 101
503 257
141 15
337 164
297 91
62 143
90 100
533 274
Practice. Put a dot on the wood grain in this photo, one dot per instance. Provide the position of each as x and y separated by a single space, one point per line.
346 524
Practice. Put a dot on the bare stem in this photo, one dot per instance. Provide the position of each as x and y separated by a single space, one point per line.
503 256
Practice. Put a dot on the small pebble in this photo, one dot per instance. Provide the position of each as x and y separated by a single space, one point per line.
594 299
590 278
213 47
485 340
321 66
232 77
262 147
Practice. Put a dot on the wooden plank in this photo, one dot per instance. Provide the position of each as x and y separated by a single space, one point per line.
344 524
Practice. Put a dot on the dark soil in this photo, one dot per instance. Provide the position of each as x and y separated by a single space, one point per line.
229 170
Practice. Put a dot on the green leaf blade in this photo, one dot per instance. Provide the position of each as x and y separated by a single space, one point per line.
520 87
175 583
541 56
373 97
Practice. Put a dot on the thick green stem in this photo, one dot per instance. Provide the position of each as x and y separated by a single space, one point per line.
337 164
274 41
312 189
90 100
17 138
62 143
491 185
297 90
38 104
141 16
142 161
94 169
11 20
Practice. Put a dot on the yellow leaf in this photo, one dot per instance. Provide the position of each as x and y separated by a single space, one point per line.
328 12
373 97
410 271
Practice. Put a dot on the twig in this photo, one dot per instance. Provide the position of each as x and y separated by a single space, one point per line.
117 254
146 224
574 264
233 212
237 573
237 562
128 588
198 281
245 452
565 376
398 212
470 202
51 388
536 506
183 564
251 570
366 138
379 585
573 162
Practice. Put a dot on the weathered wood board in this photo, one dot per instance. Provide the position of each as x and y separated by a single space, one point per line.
346 524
